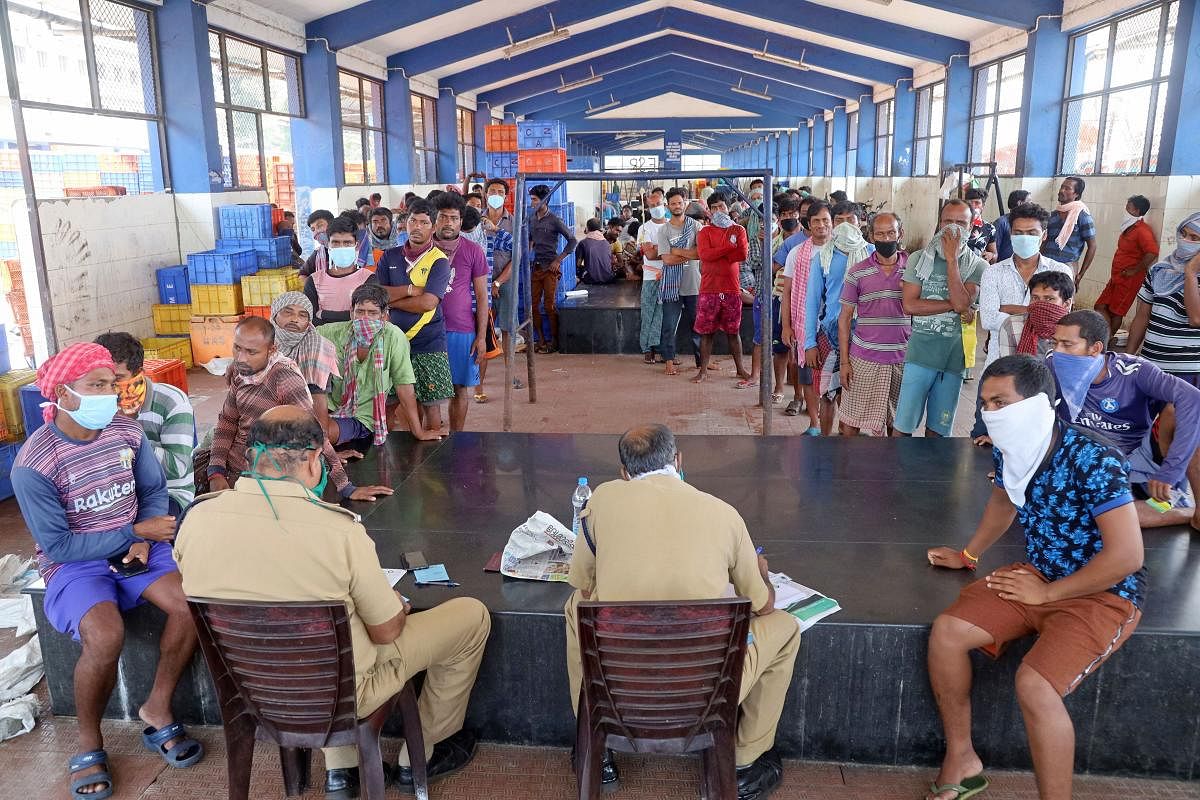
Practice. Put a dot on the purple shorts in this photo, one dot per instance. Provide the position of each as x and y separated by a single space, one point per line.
350 429
77 586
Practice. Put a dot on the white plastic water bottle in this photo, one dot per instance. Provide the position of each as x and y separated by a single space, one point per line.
579 499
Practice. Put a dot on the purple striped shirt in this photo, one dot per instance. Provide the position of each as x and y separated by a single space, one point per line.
881 329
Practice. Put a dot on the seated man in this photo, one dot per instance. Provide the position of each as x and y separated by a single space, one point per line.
374 357
1081 590
654 537
1119 396
260 378
1051 295
594 257
327 555
164 412
313 354
102 549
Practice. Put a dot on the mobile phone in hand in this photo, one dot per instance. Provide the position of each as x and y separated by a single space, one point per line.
123 570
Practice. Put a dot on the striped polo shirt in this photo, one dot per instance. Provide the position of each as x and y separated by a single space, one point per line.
170 424
95 480
881 329
1171 342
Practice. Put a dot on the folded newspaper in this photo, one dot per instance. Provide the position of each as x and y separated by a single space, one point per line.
540 549
805 604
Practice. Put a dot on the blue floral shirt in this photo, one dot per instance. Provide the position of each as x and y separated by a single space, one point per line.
1083 479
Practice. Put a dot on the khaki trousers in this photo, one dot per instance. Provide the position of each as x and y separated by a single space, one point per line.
770 656
447 643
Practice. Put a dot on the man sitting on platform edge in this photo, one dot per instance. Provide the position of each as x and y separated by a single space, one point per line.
653 537
1081 589
324 553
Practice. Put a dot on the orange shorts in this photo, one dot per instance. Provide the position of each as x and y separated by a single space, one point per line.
1074 636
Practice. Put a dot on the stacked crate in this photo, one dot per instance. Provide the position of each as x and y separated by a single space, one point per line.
541 147
10 402
500 144
18 303
172 316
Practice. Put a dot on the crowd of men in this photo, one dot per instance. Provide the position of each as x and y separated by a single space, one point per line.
1090 446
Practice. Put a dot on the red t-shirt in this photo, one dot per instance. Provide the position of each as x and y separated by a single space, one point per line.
720 259
1132 245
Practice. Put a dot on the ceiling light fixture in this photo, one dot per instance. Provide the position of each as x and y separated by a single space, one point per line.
751 92
553 35
740 130
591 109
787 62
579 84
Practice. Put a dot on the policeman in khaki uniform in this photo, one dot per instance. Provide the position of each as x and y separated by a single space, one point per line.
654 537
270 538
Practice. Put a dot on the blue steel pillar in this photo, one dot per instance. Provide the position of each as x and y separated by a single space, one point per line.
317 136
865 163
1179 148
800 142
904 110
958 113
483 118
1045 81
447 137
397 103
840 132
193 147
817 132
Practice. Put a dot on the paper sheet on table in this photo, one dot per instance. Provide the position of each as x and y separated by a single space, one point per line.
394 575
434 573
539 549
807 605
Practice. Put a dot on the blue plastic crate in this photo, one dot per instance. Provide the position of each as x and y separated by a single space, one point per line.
173 285
221 266
547 134
245 221
31 407
273 251
502 165
8 454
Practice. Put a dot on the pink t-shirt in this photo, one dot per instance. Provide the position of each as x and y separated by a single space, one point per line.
469 262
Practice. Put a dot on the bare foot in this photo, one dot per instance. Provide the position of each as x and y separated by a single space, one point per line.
955 770
671 368
714 366
980 441
744 376
700 377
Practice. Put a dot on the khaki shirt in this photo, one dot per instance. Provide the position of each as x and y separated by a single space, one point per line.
231 547
660 539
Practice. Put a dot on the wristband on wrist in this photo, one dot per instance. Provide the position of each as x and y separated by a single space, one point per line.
969 561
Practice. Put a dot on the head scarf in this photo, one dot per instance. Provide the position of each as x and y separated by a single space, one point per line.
131 395
1039 325
313 353
364 333
1166 277
848 239
67 366
721 219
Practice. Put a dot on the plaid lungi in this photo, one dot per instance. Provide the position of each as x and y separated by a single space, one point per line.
870 402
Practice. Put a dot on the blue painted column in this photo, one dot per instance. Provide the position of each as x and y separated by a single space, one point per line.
483 118
840 132
397 102
1045 81
447 135
865 163
904 123
817 168
1179 148
955 136
317 136
800 142
193 147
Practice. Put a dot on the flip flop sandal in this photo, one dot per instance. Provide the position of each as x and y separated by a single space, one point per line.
793 409
83 761
183 754
813 432
648 358
968 788
746 385
776 399
481 398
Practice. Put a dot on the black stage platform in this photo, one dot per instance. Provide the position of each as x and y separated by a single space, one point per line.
851 518
609 319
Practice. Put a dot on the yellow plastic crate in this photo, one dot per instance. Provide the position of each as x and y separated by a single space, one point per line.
295 282
165 348
172 319
260 289
216 300
10 398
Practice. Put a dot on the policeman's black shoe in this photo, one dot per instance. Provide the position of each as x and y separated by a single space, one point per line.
449 756
341 784
758 780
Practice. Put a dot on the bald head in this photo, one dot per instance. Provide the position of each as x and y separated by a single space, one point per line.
646 448
289 438
257 326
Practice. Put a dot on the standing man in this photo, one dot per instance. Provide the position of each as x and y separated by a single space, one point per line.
338 273
1131 403
498 224
416 277
983 233
782 368
939 292
750 276
382 235
324 553
465 306
1080 589
544 229
163 411
1166 326
1001 244
1137 250
298 340
650 333
873 332
650 536
796 273
260 378
95 500
680 280
721 247
318 223
1071 229
823 307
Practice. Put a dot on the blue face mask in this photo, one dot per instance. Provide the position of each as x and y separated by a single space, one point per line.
342 257
1185 249
1026 246
95 411
1074 375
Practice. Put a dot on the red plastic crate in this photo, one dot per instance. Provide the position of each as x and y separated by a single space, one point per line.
542 161
500 138
258 311
170 371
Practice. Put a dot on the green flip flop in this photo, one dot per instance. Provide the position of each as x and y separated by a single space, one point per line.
968 788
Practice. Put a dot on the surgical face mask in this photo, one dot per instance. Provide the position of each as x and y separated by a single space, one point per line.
95 411
495 201
789 225
1186 249
1026 246
657 212
887 249
342 257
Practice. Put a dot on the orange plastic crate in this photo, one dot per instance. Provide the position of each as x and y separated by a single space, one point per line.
542 161
258 311
169 370
500 138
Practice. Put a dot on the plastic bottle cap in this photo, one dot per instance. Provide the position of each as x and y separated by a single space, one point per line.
583 481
